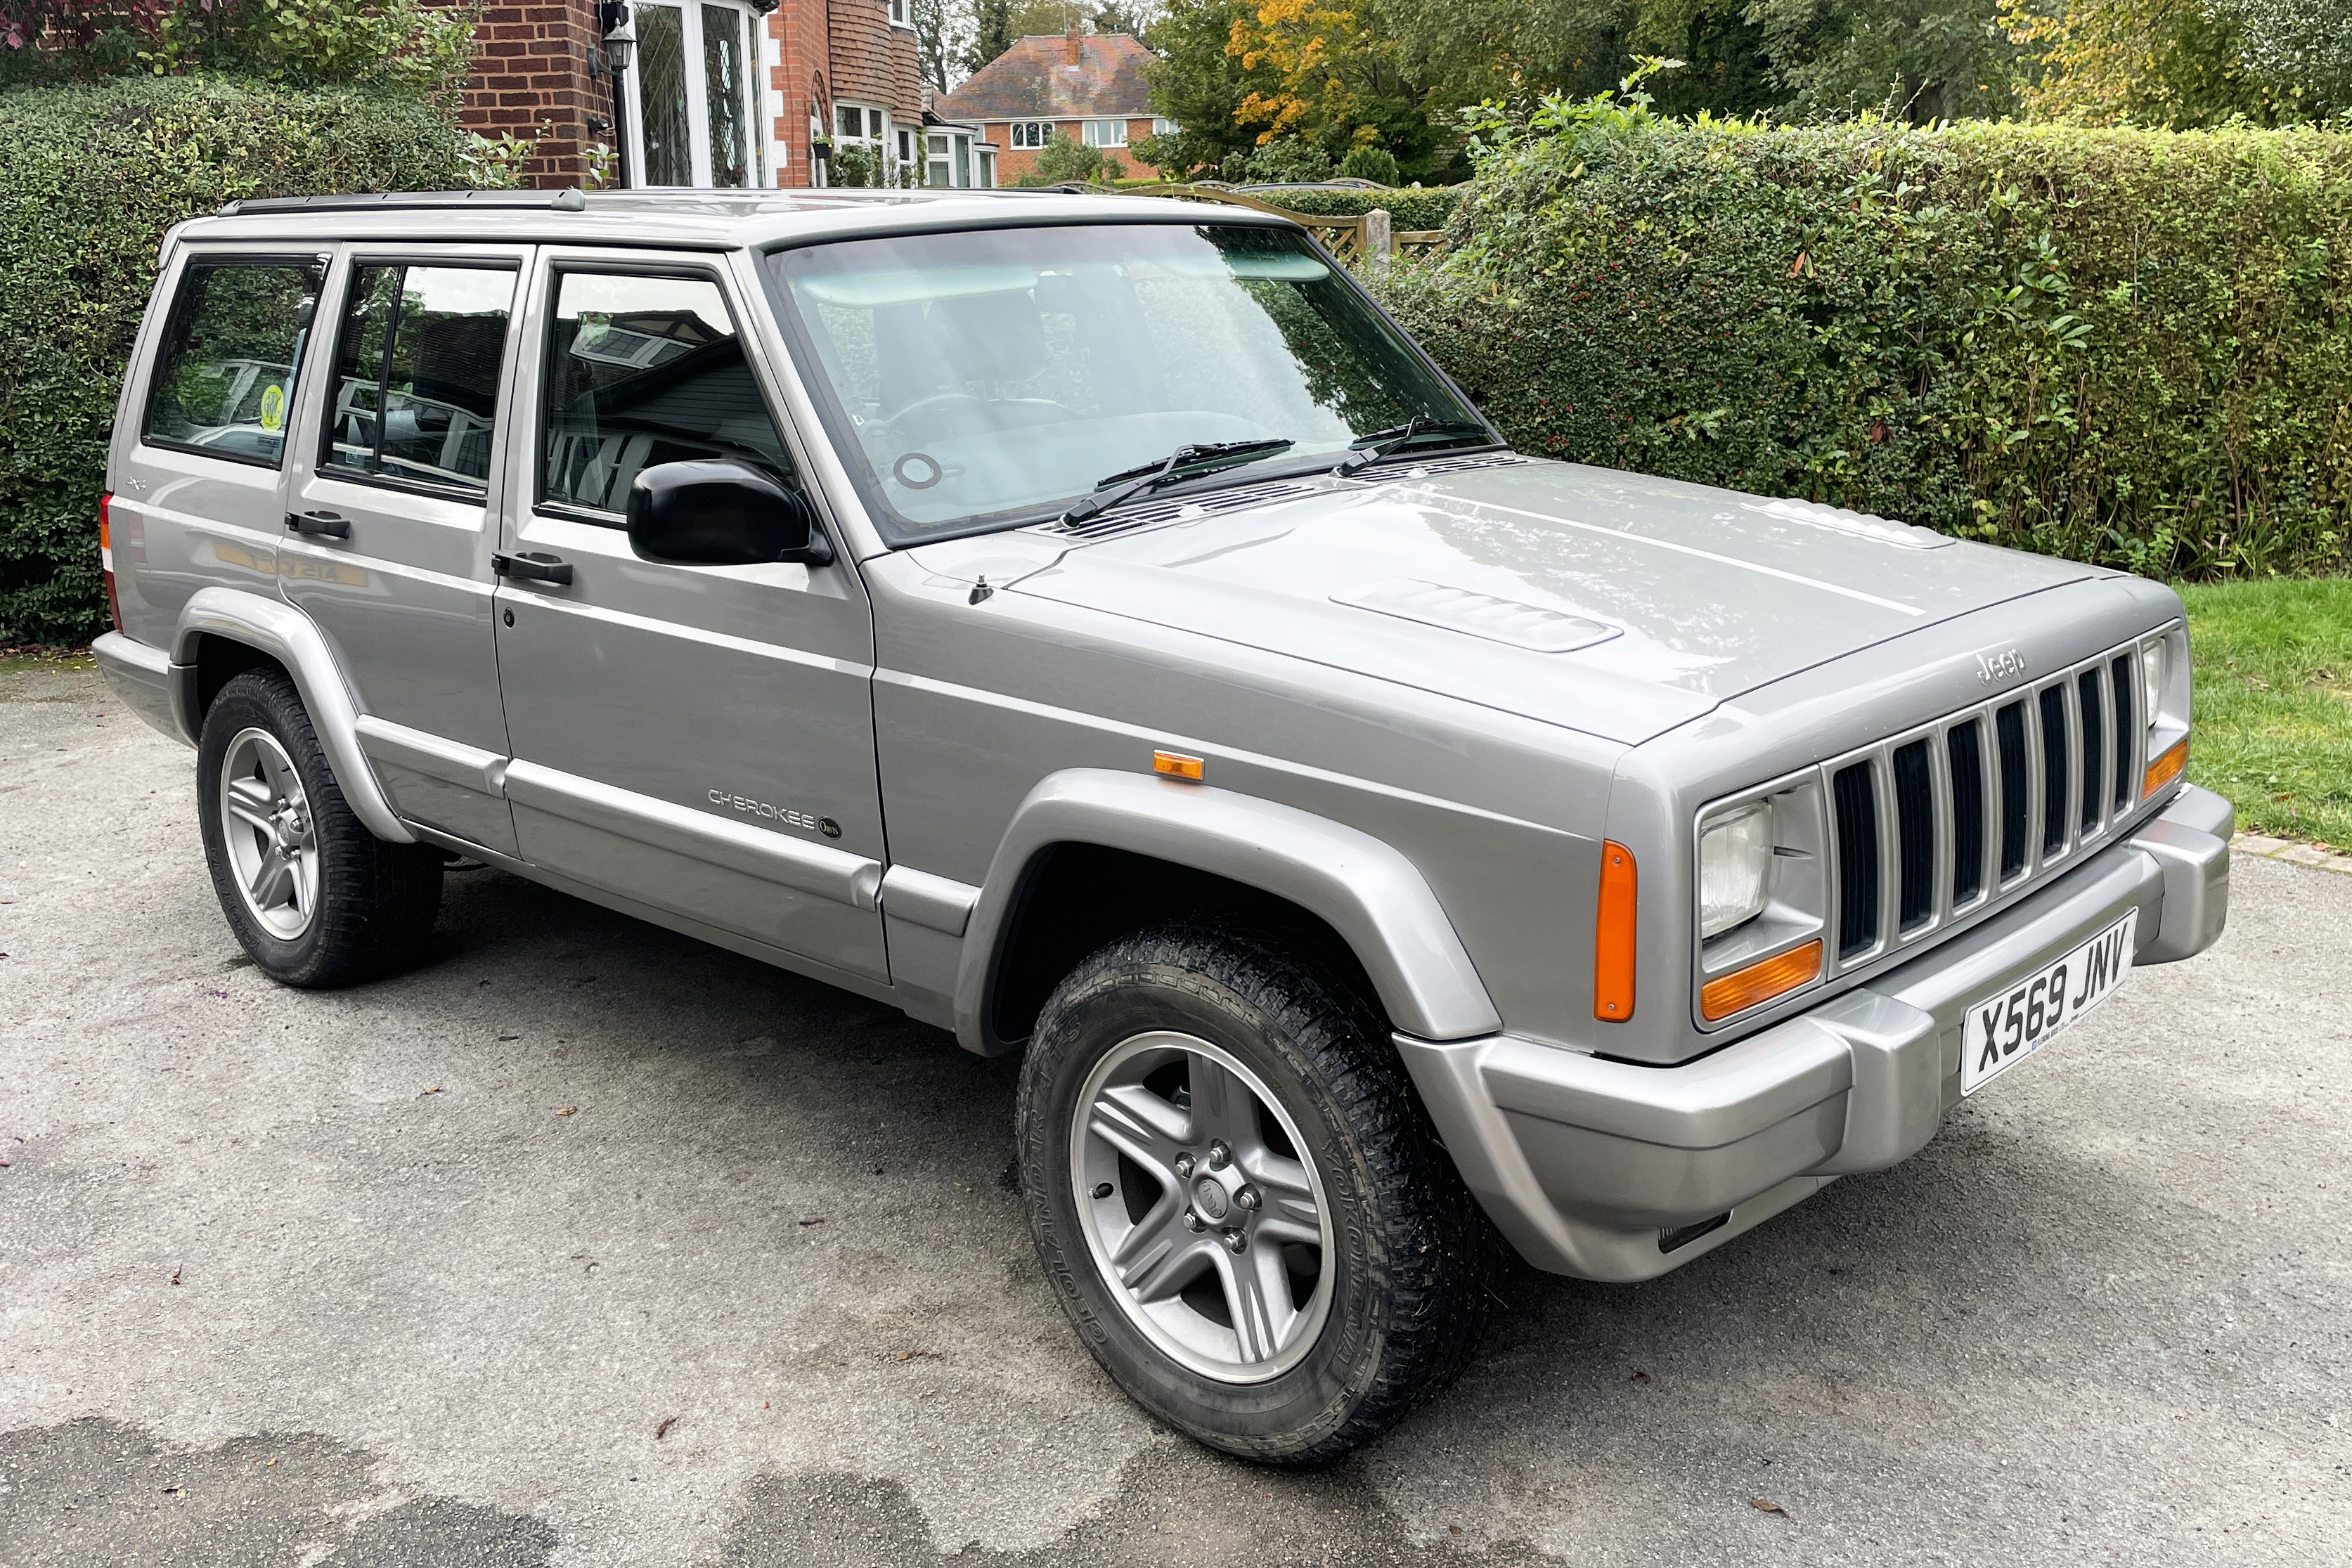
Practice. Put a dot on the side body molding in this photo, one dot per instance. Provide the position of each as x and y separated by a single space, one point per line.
292 639
1370 894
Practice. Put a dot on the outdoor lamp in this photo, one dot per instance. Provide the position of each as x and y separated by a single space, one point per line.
621 38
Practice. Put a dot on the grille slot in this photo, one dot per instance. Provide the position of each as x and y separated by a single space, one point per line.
1915 821
2016 807
1856 801
2054 769
1966 745
2095 741
2120 672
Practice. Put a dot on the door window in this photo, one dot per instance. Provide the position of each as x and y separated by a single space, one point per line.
417 374
224 374
645 370
696 99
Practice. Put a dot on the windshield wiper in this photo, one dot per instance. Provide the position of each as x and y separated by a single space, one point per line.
1380 442
1184 463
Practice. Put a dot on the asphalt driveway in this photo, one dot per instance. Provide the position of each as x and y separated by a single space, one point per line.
588 1245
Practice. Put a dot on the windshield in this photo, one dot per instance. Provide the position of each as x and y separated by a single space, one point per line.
996 376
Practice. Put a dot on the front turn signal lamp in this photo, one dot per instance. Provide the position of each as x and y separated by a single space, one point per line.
1760 982
2165 768
1613 935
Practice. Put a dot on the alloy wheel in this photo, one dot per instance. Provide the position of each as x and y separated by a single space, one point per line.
1201 1206
272 838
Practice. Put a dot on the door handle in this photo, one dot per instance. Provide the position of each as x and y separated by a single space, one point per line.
534 566
332 525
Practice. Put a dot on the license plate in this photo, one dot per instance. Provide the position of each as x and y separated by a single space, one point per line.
2004 1030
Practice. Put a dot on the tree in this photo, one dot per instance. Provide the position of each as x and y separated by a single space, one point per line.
992 33
404 45
2301 46
2174 63
1918 59
1341 79
943 38
1198 85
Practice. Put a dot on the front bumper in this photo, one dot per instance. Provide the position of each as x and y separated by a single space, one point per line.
1612 1171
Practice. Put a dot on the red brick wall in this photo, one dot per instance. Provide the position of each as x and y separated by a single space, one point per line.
531 79
845 50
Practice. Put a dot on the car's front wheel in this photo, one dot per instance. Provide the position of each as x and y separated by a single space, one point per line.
1238 1199
314 897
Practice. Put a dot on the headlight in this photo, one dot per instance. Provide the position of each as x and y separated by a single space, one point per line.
2155 678
1735 869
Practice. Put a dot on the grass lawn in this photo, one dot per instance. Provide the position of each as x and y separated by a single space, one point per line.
2274 718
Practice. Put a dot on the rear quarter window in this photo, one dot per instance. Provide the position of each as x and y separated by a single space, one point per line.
225 375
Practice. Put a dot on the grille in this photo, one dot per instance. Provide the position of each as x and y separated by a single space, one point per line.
1940 822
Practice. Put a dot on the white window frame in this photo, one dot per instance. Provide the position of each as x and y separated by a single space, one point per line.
1163 126
1029 135
877 136
902 13
698 99
949 148
1106 133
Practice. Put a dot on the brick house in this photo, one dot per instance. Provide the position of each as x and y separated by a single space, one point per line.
711 92
1088 87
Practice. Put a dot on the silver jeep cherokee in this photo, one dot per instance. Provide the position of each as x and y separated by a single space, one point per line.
1090 625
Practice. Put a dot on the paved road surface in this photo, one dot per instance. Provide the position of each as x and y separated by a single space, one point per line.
587 1245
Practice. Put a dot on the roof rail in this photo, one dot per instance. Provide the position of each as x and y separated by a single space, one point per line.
569 200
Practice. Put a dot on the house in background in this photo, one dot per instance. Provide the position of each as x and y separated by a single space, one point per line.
1086 86
711 92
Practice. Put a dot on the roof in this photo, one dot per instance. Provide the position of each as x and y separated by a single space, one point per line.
1034 80
700 219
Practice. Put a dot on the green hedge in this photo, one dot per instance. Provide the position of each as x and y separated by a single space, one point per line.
90 178
2128 347
1409 208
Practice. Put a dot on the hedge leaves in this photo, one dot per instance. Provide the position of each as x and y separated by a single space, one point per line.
90 178
2128 347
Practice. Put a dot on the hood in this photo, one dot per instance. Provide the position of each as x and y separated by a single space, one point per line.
1608 603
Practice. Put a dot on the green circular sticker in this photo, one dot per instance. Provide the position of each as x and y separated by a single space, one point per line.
273 407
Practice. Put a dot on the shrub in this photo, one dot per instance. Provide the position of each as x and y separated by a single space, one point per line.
1408 208
1377 164
1287 159
2126 346
94 175
1065 159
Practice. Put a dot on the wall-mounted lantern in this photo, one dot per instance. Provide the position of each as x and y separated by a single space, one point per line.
620 33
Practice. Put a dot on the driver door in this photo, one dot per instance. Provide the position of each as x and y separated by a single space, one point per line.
698 740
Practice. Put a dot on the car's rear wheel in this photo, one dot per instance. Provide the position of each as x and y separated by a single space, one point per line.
1239 1200
314 897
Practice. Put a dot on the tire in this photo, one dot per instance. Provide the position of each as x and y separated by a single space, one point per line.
1392 1303
313 896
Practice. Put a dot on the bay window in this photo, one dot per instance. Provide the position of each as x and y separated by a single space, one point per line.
693 95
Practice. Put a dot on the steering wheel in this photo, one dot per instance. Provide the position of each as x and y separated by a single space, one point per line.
924 405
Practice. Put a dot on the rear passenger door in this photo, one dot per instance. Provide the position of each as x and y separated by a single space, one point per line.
199 494
698 739
391 519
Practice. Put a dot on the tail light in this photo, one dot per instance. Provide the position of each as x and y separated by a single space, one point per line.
106 557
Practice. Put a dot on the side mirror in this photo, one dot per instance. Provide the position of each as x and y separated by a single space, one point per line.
719 512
